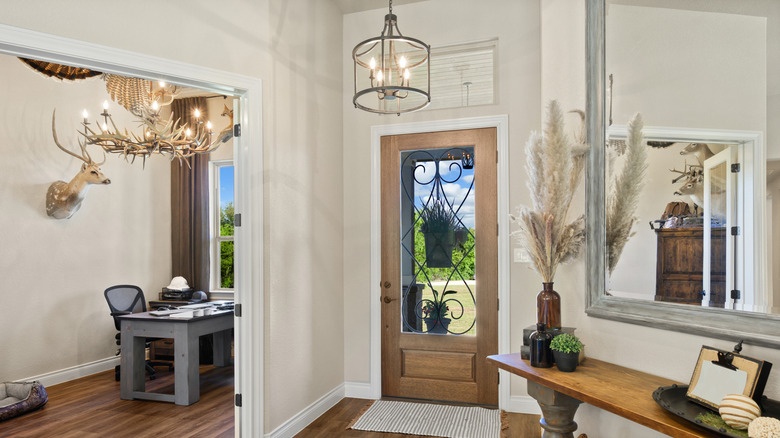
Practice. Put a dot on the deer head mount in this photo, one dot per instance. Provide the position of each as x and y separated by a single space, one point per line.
64 199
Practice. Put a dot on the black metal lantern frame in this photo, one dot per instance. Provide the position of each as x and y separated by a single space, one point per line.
385 69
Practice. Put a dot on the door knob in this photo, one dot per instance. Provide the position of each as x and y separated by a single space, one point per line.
388 299
387 284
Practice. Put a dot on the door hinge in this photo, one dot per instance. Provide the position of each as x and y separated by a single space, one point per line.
498 304
237 310
237 220
735 231
735 168
498 379
238 400
735 294
237 130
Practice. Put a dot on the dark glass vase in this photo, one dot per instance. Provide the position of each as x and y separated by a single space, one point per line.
548 307
541 354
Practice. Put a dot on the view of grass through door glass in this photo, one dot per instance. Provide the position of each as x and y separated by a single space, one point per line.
438 241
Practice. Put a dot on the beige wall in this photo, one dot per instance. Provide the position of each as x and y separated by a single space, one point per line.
54 271
293 46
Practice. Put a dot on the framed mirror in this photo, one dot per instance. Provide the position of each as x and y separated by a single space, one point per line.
705 76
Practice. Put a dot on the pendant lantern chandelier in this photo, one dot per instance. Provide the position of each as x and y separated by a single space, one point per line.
390 71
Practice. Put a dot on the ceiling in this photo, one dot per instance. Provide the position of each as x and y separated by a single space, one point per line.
350 6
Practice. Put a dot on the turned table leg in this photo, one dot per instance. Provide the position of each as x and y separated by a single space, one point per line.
557 411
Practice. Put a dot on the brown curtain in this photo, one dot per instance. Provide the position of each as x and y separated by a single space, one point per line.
190 205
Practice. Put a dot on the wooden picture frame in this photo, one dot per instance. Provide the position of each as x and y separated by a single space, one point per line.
719 373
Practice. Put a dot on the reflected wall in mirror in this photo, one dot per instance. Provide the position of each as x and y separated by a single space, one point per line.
699 72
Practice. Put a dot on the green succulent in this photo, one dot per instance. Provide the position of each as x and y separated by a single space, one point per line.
566 343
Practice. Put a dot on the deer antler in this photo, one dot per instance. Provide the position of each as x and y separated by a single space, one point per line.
83 158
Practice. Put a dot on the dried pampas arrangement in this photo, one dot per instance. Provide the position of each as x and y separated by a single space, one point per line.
554 165
623 194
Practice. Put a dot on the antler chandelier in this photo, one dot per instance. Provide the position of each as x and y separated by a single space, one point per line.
383 71
158 135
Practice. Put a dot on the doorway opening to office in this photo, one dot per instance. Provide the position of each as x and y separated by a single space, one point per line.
124 232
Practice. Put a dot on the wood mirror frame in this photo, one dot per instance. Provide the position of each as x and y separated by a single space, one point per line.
754 328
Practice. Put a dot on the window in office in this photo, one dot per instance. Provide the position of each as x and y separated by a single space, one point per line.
222 226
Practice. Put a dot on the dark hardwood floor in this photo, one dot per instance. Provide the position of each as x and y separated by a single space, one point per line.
90 407
333 424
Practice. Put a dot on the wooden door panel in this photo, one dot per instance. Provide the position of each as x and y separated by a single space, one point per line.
432 366
450 365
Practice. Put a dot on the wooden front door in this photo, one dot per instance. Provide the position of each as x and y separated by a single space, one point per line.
440 266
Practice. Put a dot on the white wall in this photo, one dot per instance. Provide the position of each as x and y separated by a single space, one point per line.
54 271
294 47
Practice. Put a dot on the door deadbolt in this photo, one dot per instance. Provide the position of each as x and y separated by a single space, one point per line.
387 285
387 299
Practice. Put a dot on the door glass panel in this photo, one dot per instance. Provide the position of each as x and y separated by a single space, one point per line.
438 241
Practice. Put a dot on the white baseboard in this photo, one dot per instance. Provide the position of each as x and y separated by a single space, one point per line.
75 372
523 405
357 390
302 419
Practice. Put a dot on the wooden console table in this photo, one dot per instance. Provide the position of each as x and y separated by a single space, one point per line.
616 389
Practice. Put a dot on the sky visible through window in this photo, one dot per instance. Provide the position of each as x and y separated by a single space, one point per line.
455 192
225 186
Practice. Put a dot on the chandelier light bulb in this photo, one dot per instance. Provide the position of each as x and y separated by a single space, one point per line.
105 126
85 114
188 132
406 74
208 125
379 77
372 63
402 62
105 104
161 84
197 113
155 105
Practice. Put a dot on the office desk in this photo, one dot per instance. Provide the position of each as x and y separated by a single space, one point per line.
185 333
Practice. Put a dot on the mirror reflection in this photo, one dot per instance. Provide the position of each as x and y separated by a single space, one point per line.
705 76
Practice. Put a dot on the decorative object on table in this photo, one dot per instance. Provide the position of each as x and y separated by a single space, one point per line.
623 194
64 199
554 165
566 350
384 67
541 354
673 399
764 427
17 398
438 227
738 410
525 349
719 373
434 312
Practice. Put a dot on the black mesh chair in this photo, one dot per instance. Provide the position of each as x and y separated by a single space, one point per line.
123 300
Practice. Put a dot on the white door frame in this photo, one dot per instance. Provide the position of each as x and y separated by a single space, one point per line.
248 154
501 123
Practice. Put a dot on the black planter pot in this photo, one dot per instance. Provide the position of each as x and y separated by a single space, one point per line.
438 326
566 362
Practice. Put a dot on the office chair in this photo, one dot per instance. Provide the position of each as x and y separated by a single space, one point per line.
124 300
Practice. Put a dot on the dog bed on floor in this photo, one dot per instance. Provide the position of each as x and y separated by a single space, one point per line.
17 398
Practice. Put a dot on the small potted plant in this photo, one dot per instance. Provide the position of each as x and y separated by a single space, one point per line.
434 312
438 227
566 351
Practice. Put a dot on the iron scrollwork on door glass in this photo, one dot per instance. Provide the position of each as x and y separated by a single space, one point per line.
438 241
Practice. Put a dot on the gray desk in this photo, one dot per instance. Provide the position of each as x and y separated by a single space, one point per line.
185 333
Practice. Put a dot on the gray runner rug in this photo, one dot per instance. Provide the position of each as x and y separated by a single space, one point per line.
431 420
